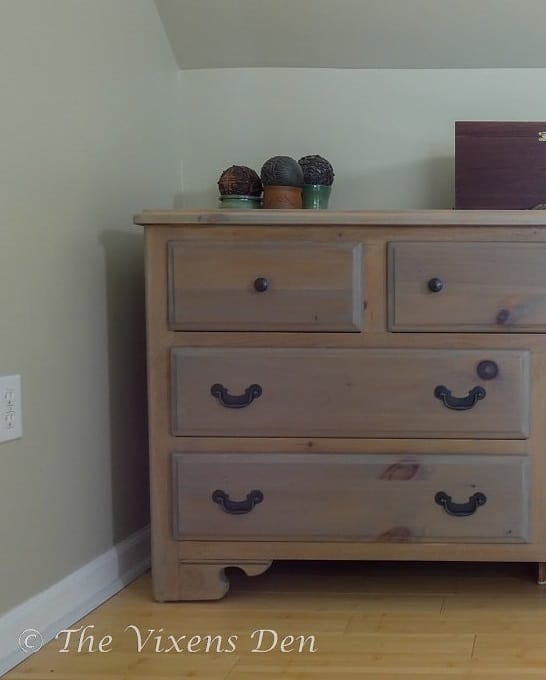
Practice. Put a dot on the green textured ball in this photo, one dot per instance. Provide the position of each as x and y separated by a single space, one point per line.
317 170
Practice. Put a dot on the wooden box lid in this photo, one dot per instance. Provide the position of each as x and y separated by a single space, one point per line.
500 165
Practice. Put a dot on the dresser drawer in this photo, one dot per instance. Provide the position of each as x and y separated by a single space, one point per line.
272 285
340 496
492 287
349 393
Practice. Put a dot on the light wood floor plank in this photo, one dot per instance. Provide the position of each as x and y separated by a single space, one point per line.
383 621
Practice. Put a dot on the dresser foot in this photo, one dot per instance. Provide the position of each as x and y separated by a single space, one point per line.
208 581
541 573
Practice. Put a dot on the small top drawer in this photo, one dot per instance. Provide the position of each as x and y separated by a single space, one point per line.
265 286
450 286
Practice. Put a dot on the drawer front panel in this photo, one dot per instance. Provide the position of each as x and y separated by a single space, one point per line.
282 286
340 496
491 287
349 393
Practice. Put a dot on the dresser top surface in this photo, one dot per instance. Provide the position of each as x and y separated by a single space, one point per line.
302 218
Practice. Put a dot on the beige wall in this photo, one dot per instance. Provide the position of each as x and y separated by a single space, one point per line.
92 106
87 123
356 33
388 133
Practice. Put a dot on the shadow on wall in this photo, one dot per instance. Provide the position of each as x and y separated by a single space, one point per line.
127 381
440 172
205 199
425 184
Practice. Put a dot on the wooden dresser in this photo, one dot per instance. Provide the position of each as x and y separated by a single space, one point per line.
344 385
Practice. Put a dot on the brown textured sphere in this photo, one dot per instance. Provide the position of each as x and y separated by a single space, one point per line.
239 180
316 170
282 171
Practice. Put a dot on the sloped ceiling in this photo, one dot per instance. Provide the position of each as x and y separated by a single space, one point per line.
356 33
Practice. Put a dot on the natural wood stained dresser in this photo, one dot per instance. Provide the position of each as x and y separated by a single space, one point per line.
344 385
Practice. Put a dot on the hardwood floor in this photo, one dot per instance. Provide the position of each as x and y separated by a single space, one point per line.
364 620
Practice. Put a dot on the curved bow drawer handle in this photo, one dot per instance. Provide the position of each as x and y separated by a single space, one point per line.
459 403
235 401
460 509
237 507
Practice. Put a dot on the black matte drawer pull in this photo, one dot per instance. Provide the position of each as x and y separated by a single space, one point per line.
261 284
435 285
487 369
237 507
459 403
460 509
235 401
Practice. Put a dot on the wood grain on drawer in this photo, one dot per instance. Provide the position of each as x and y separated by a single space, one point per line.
448 286
271 285
348 393
340 496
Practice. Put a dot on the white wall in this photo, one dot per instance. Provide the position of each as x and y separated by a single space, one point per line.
388 133
356 33
87 122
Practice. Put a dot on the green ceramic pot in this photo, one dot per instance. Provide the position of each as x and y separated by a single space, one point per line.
316 196
240 202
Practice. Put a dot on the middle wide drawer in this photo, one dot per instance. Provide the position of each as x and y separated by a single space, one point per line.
349 393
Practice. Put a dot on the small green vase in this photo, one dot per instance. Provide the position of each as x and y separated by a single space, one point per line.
240 202
316 196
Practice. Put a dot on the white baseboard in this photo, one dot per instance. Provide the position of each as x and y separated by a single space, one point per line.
73 597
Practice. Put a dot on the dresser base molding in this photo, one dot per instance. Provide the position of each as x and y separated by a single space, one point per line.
207 580
234 553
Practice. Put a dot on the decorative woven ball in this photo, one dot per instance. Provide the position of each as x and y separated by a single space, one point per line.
317 170
239 180
282 171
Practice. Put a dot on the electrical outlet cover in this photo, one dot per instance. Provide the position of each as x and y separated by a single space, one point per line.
10 408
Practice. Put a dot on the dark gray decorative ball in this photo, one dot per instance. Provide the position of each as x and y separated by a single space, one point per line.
239 180
282 171
316 170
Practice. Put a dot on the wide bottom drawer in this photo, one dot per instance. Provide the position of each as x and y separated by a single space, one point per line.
345 497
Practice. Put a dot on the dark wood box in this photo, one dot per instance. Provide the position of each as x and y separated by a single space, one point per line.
500 165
